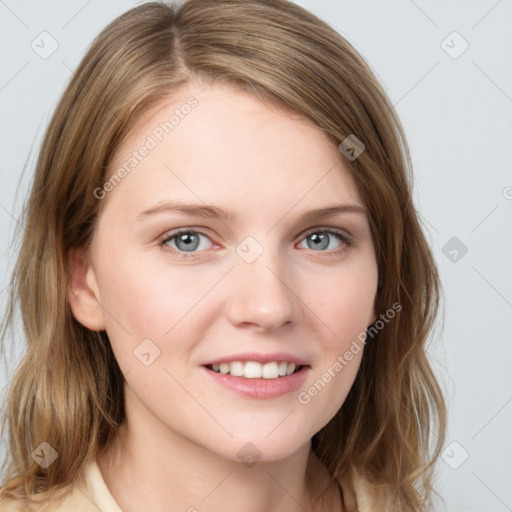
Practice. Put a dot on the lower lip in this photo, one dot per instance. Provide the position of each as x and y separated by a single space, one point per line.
261 388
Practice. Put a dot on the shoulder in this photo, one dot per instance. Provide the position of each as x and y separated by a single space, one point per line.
353 493
88 494
72 501
361 495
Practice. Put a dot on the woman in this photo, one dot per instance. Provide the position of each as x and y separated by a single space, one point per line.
225 288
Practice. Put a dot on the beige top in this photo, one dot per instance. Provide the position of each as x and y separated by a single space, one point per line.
91 494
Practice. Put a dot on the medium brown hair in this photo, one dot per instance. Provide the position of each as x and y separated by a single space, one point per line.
68 389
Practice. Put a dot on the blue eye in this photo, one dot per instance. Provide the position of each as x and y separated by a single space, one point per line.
185 243
321 238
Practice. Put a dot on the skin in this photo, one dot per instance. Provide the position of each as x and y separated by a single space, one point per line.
178 448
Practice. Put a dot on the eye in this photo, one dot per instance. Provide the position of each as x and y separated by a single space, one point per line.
183 241
320 239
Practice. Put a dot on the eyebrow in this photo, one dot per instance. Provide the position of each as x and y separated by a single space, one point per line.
215 212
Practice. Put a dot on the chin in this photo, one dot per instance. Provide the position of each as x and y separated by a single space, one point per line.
262 449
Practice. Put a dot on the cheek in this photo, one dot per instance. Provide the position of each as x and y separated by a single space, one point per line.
345 302
150 301
345 309
171 307
347 314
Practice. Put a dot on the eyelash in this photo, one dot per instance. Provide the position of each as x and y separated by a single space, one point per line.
346 240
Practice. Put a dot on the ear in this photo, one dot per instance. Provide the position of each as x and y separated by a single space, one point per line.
83 295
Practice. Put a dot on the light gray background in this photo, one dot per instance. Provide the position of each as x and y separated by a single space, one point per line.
457 115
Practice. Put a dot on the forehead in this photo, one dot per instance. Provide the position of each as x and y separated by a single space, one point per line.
219 143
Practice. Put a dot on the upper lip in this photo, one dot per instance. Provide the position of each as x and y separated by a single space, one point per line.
260 358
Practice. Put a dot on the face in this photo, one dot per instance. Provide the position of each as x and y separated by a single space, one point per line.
181 289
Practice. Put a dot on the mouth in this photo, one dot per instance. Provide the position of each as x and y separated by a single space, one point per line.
256 380
271 370
258 375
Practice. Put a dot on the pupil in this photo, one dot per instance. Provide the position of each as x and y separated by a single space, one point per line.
319 240
188 239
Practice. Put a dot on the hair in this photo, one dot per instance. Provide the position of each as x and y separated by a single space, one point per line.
68 389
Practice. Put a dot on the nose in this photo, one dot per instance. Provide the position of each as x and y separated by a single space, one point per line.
262 294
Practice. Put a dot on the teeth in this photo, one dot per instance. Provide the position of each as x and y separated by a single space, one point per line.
252 370
236 368
270 371
255 370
